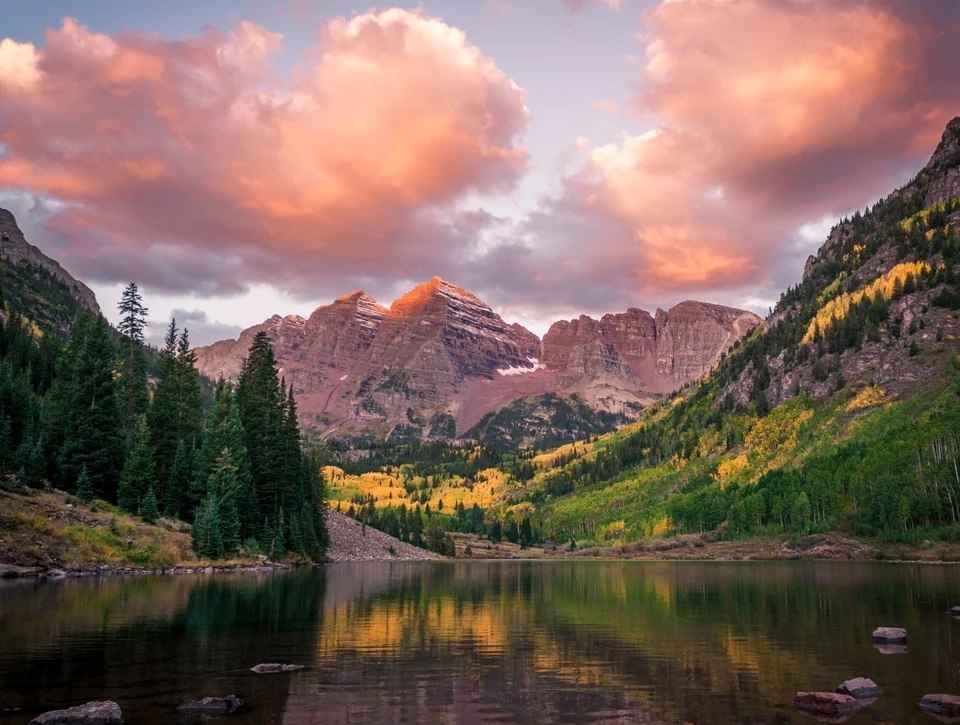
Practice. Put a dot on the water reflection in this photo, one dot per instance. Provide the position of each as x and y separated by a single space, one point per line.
487 641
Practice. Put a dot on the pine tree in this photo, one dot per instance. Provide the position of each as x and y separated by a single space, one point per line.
177 410
148 507
177 498
131 360
261 404
84 410
206 532
138 470
84 487
224 487
224 432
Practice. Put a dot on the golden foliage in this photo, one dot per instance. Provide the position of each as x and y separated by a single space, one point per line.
777 433
612 531
884 285
870 396
729 468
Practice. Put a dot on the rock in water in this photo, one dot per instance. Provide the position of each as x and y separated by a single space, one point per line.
831 704
106 712
890 635
269 667
212 706
862 688
947 706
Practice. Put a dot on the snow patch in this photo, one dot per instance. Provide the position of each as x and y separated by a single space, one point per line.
534 366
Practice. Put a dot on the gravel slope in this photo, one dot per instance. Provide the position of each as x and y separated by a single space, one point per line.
349 541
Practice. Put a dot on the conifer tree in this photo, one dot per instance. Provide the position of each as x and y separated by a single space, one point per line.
131 359
176 492
261 405
148 507
138 470
224 432
206 532
223 486
163 415
84 487
85 411
177 410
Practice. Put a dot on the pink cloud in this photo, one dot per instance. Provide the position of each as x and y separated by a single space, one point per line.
164 149
766 115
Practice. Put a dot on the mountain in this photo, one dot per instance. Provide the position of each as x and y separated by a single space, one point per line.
440 362
840 413
34 285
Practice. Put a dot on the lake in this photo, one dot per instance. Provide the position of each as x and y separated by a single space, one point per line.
471 642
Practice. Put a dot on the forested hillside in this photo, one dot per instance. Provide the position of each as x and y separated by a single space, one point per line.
840 413
82 413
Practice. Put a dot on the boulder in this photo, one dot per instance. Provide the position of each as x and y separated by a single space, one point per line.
942 705
831 704
269 667
212 706
890 635
92 713
862 688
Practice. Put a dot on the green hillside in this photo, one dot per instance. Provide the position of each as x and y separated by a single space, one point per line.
840 413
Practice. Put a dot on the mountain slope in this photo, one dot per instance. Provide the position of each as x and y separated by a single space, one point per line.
440 362
840 412
34 285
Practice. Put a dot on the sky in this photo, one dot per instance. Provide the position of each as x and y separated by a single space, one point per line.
555 157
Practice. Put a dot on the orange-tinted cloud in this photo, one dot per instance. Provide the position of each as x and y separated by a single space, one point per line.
766 115
198 153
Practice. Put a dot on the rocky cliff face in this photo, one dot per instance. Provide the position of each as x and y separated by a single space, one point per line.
45 290
904 258
440 359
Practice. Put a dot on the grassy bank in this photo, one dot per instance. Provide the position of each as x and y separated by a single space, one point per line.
53 530
695 547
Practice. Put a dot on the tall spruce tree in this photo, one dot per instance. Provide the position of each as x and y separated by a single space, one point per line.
261 404
85 412
131 359
224 432
288 492
138 471
176 413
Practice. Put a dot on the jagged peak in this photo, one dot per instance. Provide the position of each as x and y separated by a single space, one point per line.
357 296
431 289
947 153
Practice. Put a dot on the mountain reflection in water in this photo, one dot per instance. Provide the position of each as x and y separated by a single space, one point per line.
465 642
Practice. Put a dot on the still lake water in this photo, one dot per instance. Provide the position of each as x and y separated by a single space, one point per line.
466 642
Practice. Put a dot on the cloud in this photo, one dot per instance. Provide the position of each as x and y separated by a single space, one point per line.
764 118
192 165
576 6
202 329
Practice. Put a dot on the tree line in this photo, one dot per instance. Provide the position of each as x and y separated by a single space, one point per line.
86 415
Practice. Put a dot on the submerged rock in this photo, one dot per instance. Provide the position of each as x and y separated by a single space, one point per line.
832 704
268 667
862 688
212 706
104 712
890 649
943 706
891 635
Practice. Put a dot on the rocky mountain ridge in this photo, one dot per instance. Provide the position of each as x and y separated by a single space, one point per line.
440 359
36 285
877 305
